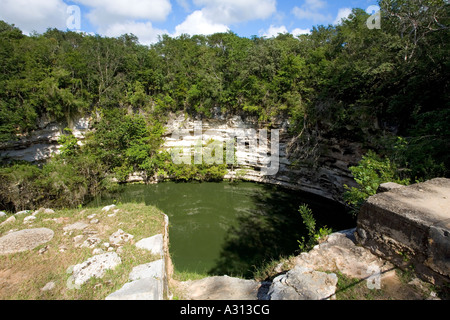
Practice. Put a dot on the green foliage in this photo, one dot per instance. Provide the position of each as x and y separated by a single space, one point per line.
310 223
69 144
370 172
125 143
17 189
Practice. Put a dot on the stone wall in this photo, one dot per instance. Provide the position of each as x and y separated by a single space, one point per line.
410 226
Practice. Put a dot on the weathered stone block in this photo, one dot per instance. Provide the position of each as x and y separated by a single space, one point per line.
142 289
410 225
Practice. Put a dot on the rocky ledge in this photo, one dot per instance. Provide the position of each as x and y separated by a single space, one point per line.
312 275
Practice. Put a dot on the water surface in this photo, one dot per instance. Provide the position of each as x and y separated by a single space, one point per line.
224 228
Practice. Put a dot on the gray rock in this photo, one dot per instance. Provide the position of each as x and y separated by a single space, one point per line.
43 250
107 208
24 240
221 288
388 186
9 220
120 237
153 269
29 219
143 289
153 244
49 286
95 266
76 226
22 212
77 240
91 242
2 214
340 253
303 283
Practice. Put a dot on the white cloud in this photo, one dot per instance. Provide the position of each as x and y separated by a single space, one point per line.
273 31
315 4
113 18
297 31
343 13
312 10
143 30
29 15
197 23
184 4
236 11
216 15
107 12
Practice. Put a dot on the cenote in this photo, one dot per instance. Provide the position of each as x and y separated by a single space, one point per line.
228 228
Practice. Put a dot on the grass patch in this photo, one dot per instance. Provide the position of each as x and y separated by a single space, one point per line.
24 274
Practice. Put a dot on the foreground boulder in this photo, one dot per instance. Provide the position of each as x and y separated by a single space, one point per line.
339 253
303 283
24 240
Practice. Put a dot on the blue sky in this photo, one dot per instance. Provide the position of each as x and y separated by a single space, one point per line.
149 18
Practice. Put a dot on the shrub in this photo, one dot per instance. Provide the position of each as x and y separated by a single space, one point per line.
17 187
370 172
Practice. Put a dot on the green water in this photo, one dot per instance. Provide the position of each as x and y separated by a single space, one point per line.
223 228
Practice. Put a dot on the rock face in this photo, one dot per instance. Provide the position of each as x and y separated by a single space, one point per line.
303 283
307 162
320 165
42 142
410 225
24 240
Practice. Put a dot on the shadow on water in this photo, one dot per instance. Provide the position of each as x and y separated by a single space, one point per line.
224 228
271 230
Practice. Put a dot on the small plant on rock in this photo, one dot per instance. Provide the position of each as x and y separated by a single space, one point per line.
314 236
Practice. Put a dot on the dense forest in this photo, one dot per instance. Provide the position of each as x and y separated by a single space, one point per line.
387 88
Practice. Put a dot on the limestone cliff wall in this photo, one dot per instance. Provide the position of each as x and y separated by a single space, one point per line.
311 164
306 162
42 142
